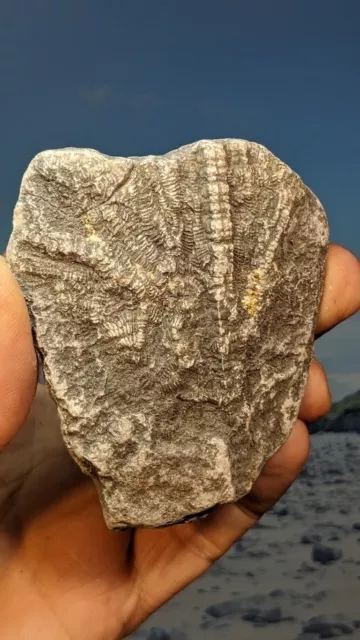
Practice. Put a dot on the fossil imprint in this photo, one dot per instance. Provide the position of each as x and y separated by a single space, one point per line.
173 301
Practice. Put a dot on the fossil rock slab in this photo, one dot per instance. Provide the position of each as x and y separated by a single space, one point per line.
173 300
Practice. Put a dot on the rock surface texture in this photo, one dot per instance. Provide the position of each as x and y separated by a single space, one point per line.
173 300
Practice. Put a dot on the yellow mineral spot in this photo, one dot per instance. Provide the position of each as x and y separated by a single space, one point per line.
89 229
254 291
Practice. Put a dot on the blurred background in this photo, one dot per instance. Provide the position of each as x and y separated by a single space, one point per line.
143 77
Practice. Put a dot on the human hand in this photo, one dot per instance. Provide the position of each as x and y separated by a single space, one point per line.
63 574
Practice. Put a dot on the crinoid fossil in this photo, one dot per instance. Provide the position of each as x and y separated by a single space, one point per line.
173 300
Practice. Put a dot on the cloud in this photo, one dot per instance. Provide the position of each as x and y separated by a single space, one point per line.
98 94
104 93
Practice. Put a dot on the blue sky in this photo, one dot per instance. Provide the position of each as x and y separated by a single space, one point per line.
145 76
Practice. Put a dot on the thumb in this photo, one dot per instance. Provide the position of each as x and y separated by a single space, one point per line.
18 363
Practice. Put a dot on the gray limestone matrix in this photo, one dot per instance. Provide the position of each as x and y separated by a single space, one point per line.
173 301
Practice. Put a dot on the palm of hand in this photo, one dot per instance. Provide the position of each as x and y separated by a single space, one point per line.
74 577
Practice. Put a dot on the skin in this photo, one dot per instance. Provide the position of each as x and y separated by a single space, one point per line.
63 574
